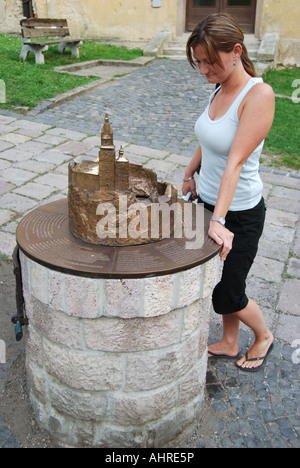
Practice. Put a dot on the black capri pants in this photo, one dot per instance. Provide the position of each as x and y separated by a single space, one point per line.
229 295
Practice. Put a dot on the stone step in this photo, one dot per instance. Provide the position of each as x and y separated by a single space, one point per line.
177 47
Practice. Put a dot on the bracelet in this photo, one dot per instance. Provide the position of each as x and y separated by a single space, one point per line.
186 180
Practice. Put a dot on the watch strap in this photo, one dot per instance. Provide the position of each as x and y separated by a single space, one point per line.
219 220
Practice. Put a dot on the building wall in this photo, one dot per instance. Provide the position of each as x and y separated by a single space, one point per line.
10 13
283 17
137 19
123 19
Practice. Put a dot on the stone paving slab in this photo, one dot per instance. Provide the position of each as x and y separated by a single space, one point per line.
152 114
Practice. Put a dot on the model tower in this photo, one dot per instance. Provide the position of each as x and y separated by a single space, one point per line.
96 186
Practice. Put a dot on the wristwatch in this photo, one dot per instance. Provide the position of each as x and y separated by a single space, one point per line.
220 220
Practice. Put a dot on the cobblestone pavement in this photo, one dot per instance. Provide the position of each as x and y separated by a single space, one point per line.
152 112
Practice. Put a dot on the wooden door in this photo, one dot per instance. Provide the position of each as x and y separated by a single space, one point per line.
243 10
27 8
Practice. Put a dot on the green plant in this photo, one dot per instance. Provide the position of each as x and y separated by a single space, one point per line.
27 84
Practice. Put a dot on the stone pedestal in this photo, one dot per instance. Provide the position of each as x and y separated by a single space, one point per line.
115 362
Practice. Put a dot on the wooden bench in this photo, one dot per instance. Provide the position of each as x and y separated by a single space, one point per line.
36 28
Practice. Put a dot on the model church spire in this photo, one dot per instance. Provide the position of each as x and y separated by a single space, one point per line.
107 158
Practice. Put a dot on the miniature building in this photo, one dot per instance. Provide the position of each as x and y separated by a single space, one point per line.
107 158
97 190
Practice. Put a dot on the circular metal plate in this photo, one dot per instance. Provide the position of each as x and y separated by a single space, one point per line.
43 235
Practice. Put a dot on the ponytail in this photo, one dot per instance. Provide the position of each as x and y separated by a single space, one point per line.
247 62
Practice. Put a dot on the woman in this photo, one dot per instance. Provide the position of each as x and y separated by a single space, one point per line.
231 133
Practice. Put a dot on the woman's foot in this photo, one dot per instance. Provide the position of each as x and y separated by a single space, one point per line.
223 349
259 349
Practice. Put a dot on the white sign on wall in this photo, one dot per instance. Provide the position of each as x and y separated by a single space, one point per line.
2 352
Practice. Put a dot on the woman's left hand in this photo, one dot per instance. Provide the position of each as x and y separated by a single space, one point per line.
222 236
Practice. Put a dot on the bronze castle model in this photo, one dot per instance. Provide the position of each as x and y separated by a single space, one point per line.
110 197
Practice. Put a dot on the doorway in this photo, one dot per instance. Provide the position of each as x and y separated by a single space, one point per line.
243 10
27 8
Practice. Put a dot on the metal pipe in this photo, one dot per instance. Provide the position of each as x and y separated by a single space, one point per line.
20 319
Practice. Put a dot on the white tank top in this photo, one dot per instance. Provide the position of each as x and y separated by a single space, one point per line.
216 138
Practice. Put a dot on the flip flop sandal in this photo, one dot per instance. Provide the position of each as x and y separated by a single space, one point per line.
255 369
222 356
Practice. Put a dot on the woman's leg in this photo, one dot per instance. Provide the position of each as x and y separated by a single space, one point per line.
229 344
253 318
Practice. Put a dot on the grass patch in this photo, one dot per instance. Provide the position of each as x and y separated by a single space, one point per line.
28 84
282 80
283 139
4 258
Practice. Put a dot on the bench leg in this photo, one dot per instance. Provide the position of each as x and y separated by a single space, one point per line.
72 45
39 56
75 51
38 52
24 52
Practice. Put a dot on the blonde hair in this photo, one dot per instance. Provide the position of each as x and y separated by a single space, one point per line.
218 33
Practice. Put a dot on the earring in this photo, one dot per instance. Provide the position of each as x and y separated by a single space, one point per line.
234 64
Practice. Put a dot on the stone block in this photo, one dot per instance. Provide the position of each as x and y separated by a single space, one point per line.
4 145
285 192
89 406
267 269
79 304
158 295
56 326
15 154
39 282
34 347
34 147
296 247
7 243
57 291
32 165
274 250
157 44
288 328
294 267
141 408
277 233
281 218
268 48
289 300
34 190
122 298
4 164
53 157
36 381
17 176
176 423
160 166
135 334
193 316
22 123
193 383
82 370
58 181
75 148
211 275
63 132
146 371
108 436
147 152
5 119
191 284
5 215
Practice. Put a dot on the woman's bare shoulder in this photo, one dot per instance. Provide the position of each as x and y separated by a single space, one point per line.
261 90
260 96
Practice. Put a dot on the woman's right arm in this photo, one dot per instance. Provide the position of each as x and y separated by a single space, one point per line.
190 185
